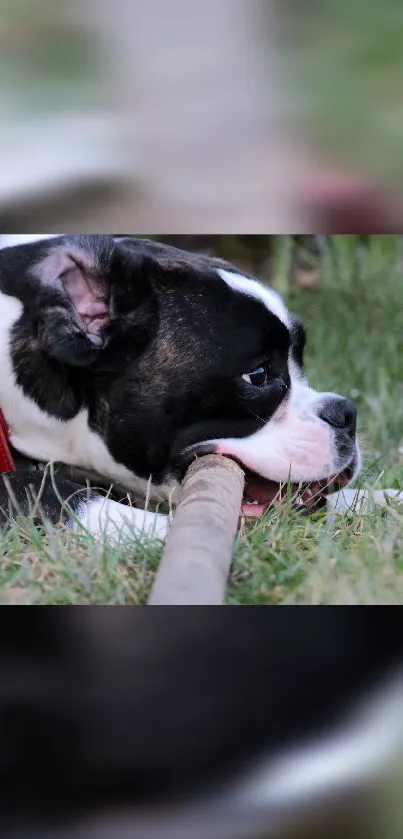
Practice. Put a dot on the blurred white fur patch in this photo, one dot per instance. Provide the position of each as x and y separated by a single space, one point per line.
354 753
361 500
13 239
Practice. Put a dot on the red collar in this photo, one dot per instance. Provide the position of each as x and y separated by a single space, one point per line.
6 460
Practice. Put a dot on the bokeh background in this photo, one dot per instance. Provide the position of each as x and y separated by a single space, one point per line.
198 117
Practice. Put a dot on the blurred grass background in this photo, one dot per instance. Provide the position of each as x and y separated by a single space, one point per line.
49 60
214 116
346 62
349 291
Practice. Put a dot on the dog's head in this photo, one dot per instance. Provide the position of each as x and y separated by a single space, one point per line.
175 354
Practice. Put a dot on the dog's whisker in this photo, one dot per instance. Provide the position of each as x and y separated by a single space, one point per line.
253 414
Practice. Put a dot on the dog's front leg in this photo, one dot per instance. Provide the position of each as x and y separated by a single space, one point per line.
359 500
104 518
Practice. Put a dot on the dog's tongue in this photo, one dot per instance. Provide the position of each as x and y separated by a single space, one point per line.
259 493
260 489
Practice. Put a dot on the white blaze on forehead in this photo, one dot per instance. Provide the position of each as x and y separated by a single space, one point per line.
12 240
252 288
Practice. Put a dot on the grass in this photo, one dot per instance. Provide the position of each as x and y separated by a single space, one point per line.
355 347
344 62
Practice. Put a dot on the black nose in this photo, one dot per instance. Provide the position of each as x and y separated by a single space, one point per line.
340 413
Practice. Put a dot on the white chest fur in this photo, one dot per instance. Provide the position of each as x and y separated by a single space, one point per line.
40 436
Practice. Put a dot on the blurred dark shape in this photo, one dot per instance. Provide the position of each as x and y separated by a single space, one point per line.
107 709
256 254
337 203
251 252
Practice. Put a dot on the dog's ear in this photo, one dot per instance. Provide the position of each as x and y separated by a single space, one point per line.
73 307
96 307
89 298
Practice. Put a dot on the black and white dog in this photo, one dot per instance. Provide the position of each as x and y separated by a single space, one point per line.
126 359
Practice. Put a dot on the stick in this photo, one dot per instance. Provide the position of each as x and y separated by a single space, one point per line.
197 556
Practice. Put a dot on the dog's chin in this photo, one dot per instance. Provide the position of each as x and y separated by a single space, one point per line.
261 493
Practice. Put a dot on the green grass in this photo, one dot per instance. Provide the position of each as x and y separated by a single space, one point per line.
345 65
355 347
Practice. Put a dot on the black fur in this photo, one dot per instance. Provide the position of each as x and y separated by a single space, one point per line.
110 707
298 341
33 495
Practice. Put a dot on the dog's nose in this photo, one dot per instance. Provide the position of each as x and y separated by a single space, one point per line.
340 413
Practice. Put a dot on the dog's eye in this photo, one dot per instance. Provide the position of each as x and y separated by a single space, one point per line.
258 377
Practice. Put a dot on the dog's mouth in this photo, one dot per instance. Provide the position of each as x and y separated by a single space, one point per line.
260 493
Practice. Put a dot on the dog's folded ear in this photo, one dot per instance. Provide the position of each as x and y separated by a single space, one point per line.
74 305
88 299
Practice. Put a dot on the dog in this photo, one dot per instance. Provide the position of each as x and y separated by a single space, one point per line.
126 359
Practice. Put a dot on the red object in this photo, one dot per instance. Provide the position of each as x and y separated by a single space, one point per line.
347 203
6 461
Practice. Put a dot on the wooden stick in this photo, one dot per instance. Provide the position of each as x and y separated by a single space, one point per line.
197 555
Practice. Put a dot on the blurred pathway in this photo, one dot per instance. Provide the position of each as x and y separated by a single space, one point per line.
202 117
